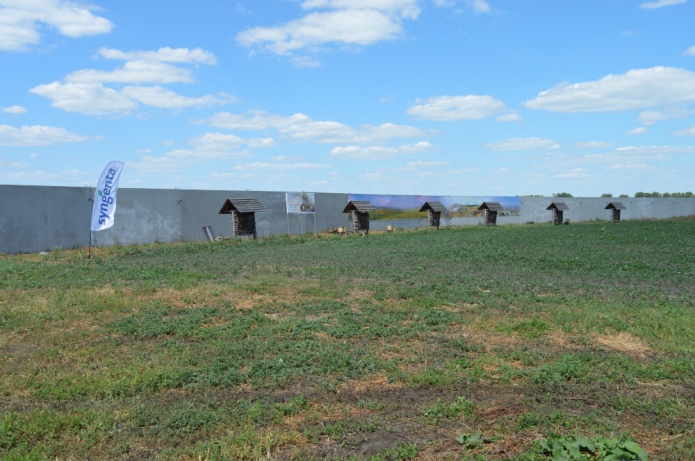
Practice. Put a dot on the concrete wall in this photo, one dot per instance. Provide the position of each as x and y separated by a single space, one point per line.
39 218
593 209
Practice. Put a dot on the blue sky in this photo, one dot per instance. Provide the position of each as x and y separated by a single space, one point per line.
431 97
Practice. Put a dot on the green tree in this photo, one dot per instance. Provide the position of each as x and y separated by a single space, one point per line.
562 194
606 195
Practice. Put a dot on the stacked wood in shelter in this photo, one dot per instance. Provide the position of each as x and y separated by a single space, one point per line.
242 211
433 218
244 224
557 216
490 218
360 220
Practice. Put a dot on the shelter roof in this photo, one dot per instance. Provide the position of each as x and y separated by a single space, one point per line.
434 206
492 206
558 206
242 205
616 206
359 205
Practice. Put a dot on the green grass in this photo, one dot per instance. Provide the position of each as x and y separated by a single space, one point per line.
463 343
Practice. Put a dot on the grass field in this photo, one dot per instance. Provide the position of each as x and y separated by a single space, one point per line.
518 342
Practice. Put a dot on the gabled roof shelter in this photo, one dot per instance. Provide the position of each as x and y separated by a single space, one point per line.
615 208
362 206
243 214
434 206
360 214
491 209
434 212
558 209
242 205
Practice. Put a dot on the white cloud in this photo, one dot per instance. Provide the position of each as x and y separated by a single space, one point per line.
136 72
379 152
15 110
302 127
660 4
425 164
573 173
86 91
593 145
36 135
450 108
85 98
49 177
305 61
347 22
690 51
636 131
5 164
371 177
478 6
266 166
630 166
146 66
510 117
205 148
353 27
636 89
406 8
166 54
628 158
690 131
658 150
649 117
262 143
20 21
156 96
519 144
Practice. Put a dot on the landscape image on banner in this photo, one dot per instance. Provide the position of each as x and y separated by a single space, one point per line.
408 206
300 202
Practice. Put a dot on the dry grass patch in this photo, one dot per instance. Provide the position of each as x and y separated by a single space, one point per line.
563 340
488 339
377 382
623 342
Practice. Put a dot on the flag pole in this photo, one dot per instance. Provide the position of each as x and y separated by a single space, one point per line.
89 252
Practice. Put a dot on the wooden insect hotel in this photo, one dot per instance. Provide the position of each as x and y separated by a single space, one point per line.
615 208
243 211
491 210
434 212
359 210
558 212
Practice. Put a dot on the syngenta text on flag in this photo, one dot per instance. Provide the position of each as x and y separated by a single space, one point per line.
104 209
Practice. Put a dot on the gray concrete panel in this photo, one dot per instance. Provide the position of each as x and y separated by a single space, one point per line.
39 218
34 219
593 208
143 216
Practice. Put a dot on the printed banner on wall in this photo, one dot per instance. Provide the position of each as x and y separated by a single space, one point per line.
104 209
389 207
300 202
